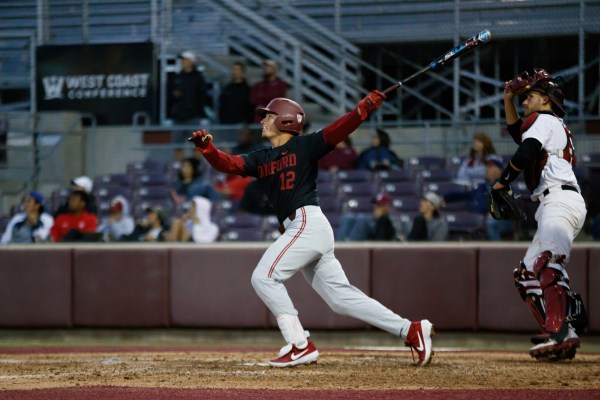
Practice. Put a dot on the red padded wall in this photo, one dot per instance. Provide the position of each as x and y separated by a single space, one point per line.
211 288
35 287
313 312
121 287
436 283
593 305
500 306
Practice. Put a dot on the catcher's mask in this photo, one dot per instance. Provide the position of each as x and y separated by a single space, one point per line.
290 116
543 83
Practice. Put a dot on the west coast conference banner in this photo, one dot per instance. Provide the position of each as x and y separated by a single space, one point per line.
111 81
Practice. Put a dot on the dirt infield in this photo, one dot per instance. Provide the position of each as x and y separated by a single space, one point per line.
233 370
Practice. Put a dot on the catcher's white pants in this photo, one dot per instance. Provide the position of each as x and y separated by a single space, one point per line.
560 217
308 246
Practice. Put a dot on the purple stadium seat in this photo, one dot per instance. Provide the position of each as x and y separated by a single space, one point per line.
354 175
465 225
353 189
243 235
147 166
435 175
401 188
427 162
394 176
249 221
444 187
358 204
151 179
122 180
152 193
405 203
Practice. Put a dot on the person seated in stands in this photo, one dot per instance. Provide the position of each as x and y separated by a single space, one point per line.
477 201
377 226
77 224
471 171
119 222
342 157
32 225
190 183
84 184
379 156
195 225
428 224
152 228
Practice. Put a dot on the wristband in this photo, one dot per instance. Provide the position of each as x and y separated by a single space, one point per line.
508 175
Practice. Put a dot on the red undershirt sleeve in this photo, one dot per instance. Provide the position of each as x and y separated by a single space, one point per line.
342 127
223 162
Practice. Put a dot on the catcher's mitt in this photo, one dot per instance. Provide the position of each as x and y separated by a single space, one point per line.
504 204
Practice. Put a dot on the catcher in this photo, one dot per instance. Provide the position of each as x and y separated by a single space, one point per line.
545 156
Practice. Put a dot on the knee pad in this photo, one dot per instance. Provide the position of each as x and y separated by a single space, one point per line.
529 288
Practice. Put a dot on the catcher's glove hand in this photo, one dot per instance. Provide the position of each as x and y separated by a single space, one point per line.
504 204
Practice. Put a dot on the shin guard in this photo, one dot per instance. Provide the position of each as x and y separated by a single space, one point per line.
554 287
529 289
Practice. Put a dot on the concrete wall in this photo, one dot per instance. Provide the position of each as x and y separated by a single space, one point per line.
458 286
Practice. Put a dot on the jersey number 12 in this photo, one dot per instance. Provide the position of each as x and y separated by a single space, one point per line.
287 180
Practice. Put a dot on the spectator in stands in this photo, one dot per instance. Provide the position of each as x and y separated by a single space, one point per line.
379 156
78 223
428 225
152 228
343 156
195 225
477 201
190 183
234 101
471 171
84 184
119 222
378 226
271 87
32 225
187 92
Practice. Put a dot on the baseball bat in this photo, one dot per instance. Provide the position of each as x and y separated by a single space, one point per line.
465 47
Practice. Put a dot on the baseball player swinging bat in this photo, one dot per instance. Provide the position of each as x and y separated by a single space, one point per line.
465 47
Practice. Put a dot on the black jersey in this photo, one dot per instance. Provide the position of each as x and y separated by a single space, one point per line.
288 173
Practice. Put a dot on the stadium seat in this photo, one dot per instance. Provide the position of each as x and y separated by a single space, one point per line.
352 189
358 204
429 162
243 235
152 193
354 176
465 225
147 166
236 221
151 179
444 187
401 188
435 175
123 180
406 203
394 176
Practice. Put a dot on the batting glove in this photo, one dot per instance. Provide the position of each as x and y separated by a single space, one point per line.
370 103
201 139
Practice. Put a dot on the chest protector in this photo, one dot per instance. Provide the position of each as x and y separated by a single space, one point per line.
533 171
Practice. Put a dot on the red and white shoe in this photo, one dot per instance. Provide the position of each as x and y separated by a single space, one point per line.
551 350
419 339
290 355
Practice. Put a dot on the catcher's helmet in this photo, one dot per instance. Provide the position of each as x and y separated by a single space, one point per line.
290 116
550 87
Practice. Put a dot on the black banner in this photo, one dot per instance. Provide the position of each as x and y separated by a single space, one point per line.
111 81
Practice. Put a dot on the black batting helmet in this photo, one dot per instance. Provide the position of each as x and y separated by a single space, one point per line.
290 116
548 86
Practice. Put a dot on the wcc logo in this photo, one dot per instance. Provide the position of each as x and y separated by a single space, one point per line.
53 87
